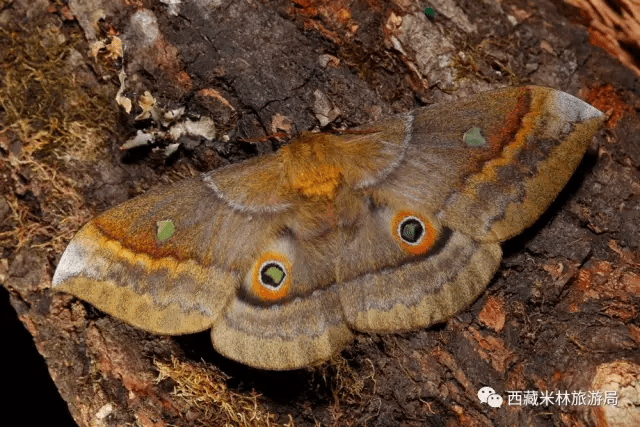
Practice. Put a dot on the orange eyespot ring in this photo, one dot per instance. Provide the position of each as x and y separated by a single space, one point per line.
414 232
271 277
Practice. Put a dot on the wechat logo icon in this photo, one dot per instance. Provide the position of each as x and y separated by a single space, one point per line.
490 397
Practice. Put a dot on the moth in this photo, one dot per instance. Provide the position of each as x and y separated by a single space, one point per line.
390 228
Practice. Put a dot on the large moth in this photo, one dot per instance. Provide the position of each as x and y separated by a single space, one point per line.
390 228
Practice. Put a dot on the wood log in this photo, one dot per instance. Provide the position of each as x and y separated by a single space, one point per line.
80 80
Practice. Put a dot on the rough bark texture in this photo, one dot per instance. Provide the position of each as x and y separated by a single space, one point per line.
561 314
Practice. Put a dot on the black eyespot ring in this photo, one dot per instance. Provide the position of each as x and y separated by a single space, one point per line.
272 274
411 230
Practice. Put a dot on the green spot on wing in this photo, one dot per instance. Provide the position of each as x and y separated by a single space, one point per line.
275 273
473 137
165 229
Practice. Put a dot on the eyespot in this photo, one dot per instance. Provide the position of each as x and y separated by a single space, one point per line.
414 232
271 276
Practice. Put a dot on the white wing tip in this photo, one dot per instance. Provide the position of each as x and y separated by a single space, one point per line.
575 109
71 264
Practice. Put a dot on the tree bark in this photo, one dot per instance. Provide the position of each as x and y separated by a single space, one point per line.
560 315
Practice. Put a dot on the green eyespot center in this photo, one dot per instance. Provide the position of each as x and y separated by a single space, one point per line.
272 275
473 137
165 229
411 230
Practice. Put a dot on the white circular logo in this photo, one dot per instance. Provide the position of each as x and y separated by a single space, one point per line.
484 394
